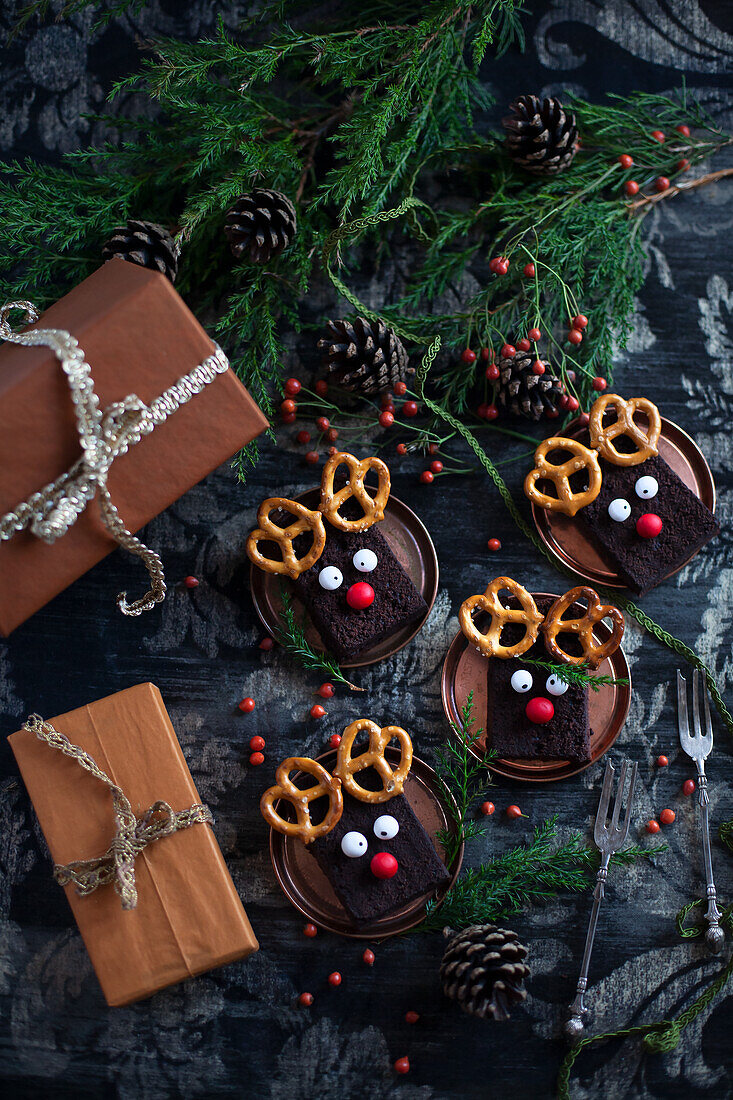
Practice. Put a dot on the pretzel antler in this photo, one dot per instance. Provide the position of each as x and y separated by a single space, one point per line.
372 506
593 651
307 520
566 500
347 766
285 788
645 441
489 642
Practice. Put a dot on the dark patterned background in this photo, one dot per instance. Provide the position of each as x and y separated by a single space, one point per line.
236 1031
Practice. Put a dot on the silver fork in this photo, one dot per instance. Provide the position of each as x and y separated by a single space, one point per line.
608 838
698 747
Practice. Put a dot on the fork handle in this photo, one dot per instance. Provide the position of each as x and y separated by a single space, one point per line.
578 1011
714 937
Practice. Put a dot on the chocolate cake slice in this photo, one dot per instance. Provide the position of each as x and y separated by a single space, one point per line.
365 897
510 732
642 563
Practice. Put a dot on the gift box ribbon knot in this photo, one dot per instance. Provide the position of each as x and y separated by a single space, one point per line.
132 834
104 436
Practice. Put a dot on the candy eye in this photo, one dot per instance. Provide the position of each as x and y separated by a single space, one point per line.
365 561
354 845
386 827
521 681
330 578
647 487
555 685
619 510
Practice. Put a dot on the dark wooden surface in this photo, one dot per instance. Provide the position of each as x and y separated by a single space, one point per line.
237 1031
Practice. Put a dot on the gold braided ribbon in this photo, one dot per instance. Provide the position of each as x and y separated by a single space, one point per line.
132 834
104 436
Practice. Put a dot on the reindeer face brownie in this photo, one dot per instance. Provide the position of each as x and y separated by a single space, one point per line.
370 843
532 712
643 518
354 588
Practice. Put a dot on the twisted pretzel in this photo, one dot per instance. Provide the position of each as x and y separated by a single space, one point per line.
372 506
624 424
489 642
284 788
593 652
347 766
566 500
307 520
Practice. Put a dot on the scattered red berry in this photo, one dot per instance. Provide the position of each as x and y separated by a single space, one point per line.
538 367
492 372
332 435
649 525
534 334
599 384
652 826
386 418
575 336
402 1065
303 436
529 271
257 758
508 352
305 999
494 264
523 344
310 931
191 582
390 409
552 414
491 412
487 808
683 165
571 373
688 786
564 400
326 691
436 466
312 457
658 136
494 545
580 321
247 705
514 812
401 449
409 408
667 817
333 450
288 406
386 400
468 356
335 978
334 740
433 448
292 386
368 956
317 711
267 644
573 403
631 187
322 423
257 743
485 353
502 267
288 418
427 477
412 1017
662 761
625 160
481 411
684 130
584 419
321 387
400 388
661 183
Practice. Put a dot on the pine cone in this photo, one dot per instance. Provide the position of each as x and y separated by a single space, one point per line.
483 969
541 135
261 225
363 355
145 244
524 393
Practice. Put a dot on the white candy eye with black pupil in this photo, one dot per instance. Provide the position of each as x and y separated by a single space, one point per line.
330 578
646 487
555 685
365 561
619 510
354 845
521 681
386 827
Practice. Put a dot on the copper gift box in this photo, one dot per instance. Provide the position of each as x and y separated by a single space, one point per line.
139 337
188 918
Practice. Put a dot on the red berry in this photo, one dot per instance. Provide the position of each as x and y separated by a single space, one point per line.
534 334
400 388
389 409
303 436
317 711
334 740
494 545
584 419
491 412
661 183
538 367
599 384
575 336
485 353
321 387
580 321
436 466
573 403
332 435
292 386
305 999
386 419
402 1065
688 786
368 956
508 352
386 400
529 271
658 136
335 978
667 817
540 710
401 449
433 448
552 414
514 812
564 401
409 408
333 450
326 691
267 644
492 372
684 130
427 477
322 423
571 373
683 165
288 406
631 187
494 264
652 826
412 1017
256 759
468 356
384 865
360 596
487 808
288 418
625 160
247 705
649 525
502 267
312 457
310 931
481 411
523 344
191 582
662 761
257 744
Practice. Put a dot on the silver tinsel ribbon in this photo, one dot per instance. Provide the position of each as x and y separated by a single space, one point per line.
104 434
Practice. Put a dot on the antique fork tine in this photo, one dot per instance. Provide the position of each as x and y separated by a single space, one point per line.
608 839
698 748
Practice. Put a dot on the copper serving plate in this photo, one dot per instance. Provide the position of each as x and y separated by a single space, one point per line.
576 550
306 886
464 670
411 544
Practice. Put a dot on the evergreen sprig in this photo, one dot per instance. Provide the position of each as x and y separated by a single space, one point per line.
291 636
576 675
466 775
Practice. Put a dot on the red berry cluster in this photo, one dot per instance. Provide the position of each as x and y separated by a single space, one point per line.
512 812
661 183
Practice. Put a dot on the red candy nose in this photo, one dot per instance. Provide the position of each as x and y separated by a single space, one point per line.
360 596
649 525
540 710
384 865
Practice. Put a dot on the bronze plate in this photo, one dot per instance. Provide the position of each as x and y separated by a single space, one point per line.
410 543
573 548
305 884
464 669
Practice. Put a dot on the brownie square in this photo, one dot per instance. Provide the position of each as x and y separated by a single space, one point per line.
346 632
510 733
364 897
643 563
